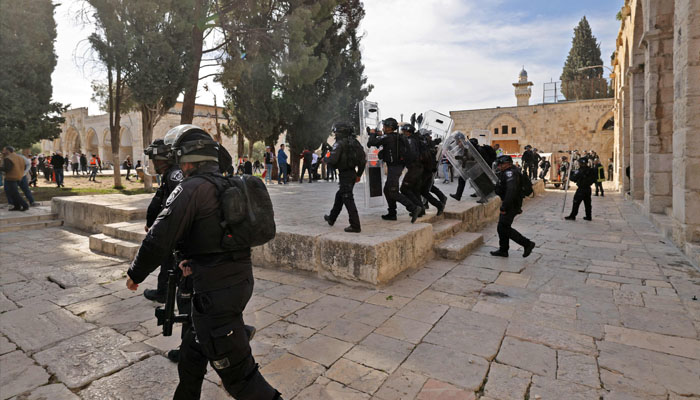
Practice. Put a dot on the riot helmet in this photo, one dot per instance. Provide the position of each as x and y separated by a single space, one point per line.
425 132
504 159
474 142
158 150
343 129
191 143
408 128
391 123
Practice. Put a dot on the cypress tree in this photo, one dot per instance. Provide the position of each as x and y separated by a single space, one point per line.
578 83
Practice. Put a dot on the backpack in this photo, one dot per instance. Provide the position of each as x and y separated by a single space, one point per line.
353 155
248 218
409 150
526 186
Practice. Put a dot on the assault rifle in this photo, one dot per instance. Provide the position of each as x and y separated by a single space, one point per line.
166 314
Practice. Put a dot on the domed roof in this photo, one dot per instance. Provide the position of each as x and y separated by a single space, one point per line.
523 73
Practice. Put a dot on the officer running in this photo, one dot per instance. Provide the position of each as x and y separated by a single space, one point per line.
584 177
164 164
411 184
348 156
508 189
222 279
430 163
390 142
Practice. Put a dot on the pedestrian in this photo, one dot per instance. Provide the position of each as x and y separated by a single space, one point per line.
75 163
282 166
392 145
269 160
247 166
584 178
564 171
256 167
127 166
24 182
222 279
349 157
93 168
306 164
528 159
445 168
57 161
610 169
508 189
545 165
13 167
314 166
535 165
498 149
600 177
34 172
83 163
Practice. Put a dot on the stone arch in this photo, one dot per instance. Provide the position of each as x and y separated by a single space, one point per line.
72 141
510 142
603 122
126 144
92 145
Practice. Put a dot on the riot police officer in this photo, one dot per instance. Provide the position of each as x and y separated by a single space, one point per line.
508 189
391 143
584 177
164 164
411 184
222 279
348 157
430 163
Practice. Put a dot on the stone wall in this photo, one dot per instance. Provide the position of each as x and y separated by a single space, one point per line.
657 112
575 125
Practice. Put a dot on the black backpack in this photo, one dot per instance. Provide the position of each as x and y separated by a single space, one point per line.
248 218
353 155
526 186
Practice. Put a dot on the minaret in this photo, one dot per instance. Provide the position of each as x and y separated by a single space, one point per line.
522 89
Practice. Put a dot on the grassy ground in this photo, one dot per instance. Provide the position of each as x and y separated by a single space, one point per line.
79 185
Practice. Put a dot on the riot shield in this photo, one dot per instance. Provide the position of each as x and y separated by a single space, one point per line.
468 163
439 124
373 176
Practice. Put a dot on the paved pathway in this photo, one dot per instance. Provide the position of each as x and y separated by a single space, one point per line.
601 309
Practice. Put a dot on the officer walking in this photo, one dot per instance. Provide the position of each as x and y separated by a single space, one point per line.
410 186
508 189
584 178
222 279
348 156
390 142
164 164
600 177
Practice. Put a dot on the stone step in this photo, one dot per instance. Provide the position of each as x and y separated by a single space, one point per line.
21 219
445 228
112 246
131 231
25 226
459 246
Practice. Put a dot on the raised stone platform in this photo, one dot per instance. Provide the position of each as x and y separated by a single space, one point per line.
304 241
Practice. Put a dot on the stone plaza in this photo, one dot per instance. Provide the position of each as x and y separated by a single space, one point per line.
602 309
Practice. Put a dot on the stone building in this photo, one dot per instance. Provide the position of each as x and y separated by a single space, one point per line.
550 127
90 133
657 110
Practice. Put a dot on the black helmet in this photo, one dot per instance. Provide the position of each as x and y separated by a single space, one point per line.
158 150
425 132
391 123
408 127
343 129
504 159
191 143
474 142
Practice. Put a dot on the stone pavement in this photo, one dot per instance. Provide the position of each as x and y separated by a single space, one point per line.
602 309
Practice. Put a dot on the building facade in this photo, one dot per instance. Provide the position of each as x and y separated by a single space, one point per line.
550 127
657 113
90 134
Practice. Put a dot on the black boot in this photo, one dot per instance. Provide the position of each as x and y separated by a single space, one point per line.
417 212
528 249
588 218
352 229
389 217
499 253
329 220
570 218
154 295
454 196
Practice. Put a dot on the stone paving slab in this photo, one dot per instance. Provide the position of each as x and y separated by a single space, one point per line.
19 373
482 328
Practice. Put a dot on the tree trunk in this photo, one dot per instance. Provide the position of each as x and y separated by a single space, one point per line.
147 123
114 119
294 157
187 113
250 149
240 145
216 122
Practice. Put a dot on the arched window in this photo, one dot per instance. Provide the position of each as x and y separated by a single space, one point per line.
609 124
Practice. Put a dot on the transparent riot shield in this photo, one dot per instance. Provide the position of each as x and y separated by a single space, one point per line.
373 176
439 124
468 163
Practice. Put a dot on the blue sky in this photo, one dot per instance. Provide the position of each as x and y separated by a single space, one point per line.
419 54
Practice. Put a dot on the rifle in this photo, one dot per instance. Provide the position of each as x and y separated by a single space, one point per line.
166 314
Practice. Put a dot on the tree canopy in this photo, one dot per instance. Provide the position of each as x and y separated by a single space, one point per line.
578 81
27 60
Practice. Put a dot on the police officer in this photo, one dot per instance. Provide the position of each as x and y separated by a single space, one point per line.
508 189
165 165
390 142
351 164
411 184
429 159
222 279
584 177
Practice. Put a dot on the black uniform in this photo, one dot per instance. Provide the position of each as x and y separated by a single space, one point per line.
171 178
430 163
545 165
528 160
411 184
348 175
535 164
223 284
584 178
508 189
390 155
